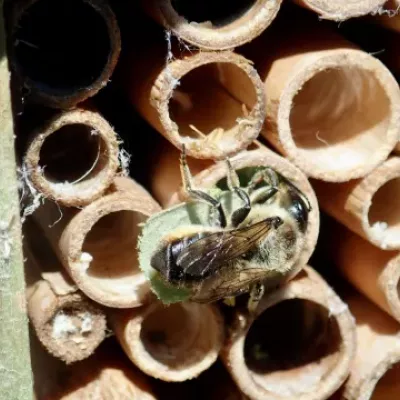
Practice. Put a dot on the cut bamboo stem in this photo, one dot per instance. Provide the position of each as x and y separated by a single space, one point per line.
375 370
208 178
173 343
368 206
332 109
211 25
63 53
267 361
68 325
73 158
107 375
175 97
342 10
97 244
389 15
374 272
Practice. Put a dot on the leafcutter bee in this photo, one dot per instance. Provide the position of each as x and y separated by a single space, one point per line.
254 243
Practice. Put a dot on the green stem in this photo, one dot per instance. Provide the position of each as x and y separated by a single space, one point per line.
15 364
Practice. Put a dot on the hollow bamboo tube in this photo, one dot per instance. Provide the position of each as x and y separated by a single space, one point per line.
73 158
388 16
375 369
173 343
63 53
374 272
105 375
175 97
367 206
214 26
267 361
332 109
166 183
341 10
97 244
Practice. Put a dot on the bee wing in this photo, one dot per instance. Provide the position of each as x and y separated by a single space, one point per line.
208 254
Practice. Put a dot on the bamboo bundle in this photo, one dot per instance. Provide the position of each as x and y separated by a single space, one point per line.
213 25
173 343
374 272
90 49
375 369
60 172
367 206
173 96
341 10
97 244
332 109
268 361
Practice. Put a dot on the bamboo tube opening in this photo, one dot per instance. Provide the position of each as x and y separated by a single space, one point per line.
74 158
215 25
215 89
111 244
64 49
73 154
218 14
273 354
173 343
384 212
388 386
338 117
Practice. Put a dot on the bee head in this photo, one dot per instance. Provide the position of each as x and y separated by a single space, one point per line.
299 209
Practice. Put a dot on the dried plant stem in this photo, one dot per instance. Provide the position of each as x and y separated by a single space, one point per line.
15 365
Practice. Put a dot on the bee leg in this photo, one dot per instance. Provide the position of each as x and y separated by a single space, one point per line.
268 175
263 194
256 294
199 194
234 185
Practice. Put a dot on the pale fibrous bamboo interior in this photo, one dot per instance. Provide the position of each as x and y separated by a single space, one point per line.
339 117
294 107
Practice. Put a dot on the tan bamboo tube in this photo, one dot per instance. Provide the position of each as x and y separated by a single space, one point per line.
172 343
375 370
341 10
166 183
97 244
214 26
332 109
63 53
374 272
175 97
268 361
388 16
367 206
68 325
107 375
73 158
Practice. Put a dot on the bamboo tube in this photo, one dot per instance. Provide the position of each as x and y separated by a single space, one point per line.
68 325
166 183
97 245
268 361
375 369
15 371
332 109
374 272
106 375
341 10
174 97
388 16
63 53
173 343
214 26
368 206
60 172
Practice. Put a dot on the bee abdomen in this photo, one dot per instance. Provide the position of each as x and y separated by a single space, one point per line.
165 259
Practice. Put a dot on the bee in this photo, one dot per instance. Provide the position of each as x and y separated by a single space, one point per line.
242 249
